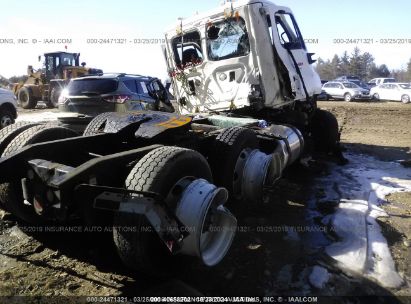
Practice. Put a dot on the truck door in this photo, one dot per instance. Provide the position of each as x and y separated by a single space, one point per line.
291 49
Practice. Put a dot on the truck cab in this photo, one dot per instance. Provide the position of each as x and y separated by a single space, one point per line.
242 54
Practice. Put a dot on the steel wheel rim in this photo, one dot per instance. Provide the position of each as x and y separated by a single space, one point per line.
5 121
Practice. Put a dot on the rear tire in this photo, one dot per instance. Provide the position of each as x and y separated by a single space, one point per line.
37 134
11 193
405 98
9 133
97 124
158 171
26 99
227 149
376 97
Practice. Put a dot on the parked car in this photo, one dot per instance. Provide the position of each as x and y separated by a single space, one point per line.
392 91
8 108
84 98
353 79
345 90
378 81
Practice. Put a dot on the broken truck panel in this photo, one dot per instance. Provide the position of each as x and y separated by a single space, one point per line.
245 53
150 124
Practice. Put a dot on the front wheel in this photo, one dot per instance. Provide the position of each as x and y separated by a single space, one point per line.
376 96
405 98
325 131
6 118
347 97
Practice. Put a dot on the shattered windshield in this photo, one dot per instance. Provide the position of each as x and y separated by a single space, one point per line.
229 39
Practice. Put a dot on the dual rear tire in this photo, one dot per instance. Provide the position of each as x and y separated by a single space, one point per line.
12 139
138 245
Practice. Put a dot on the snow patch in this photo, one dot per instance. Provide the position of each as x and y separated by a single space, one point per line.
362 186
349 224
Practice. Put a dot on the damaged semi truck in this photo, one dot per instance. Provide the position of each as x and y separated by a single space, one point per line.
246 98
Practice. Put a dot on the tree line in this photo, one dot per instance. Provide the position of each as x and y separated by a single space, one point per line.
6 82
361 65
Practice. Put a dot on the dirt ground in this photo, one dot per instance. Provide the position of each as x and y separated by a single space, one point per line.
275 260
382 129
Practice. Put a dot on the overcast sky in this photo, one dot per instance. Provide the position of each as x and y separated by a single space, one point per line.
80 20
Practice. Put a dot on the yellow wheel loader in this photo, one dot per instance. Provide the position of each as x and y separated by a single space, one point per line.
47 83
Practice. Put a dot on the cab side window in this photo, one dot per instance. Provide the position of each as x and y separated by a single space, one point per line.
187 50
288 32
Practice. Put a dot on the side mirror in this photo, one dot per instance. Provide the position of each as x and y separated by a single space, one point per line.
310 58
83 64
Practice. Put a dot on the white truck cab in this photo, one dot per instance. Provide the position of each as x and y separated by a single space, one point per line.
246 53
